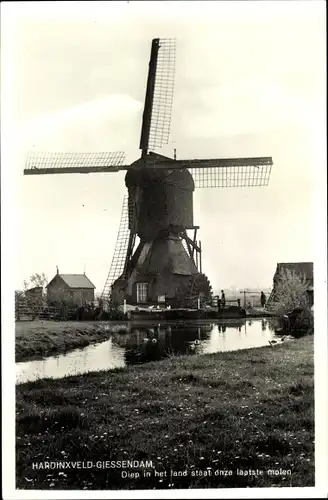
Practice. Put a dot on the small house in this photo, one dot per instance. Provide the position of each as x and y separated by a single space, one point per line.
75 289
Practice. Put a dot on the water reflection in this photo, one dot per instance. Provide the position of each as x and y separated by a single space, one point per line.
148 341
254 334
104 356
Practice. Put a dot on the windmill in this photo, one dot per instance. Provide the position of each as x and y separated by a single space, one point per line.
157 255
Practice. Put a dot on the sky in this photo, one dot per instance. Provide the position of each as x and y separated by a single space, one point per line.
250 81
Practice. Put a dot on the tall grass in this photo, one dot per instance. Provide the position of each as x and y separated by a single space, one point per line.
249 409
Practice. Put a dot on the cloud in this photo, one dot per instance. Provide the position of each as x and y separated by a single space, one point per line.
243 107
88 125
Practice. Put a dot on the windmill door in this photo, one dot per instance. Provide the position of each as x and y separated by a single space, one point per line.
142 292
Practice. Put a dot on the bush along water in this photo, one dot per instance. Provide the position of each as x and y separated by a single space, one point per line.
292 304
88 312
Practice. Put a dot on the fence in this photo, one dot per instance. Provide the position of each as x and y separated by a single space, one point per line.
253 298
246 299
27 311
236 302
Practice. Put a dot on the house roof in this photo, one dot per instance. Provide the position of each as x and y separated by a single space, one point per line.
76 280
301 268
34 289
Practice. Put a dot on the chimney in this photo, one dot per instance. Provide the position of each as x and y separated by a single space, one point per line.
57 270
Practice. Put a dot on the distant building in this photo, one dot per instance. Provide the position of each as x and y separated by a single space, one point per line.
34 295
27 303
74 289
302 269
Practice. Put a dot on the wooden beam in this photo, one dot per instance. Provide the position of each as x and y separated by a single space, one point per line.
149 100
191 242
150 162
195 235
73 170
186 238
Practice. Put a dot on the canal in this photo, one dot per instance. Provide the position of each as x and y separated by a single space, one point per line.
151 341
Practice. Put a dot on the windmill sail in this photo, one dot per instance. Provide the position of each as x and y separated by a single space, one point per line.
156 118
220 172
230 172
120 250
239 176
39 163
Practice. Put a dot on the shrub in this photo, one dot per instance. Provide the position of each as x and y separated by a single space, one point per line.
112 314
291 294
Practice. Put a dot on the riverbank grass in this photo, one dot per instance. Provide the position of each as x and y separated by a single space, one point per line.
234 419
35 339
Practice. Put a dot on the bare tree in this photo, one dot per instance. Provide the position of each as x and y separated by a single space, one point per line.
36 279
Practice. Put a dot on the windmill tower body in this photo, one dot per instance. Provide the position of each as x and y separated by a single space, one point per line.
166 261
160 211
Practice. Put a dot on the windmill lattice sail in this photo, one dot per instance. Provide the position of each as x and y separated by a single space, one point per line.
239 176
156 118
121 246
220 172
163 94
39 162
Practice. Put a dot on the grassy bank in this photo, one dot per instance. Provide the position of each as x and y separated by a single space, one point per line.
250 409
35 339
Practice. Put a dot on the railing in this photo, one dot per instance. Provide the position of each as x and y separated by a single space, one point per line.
237 302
